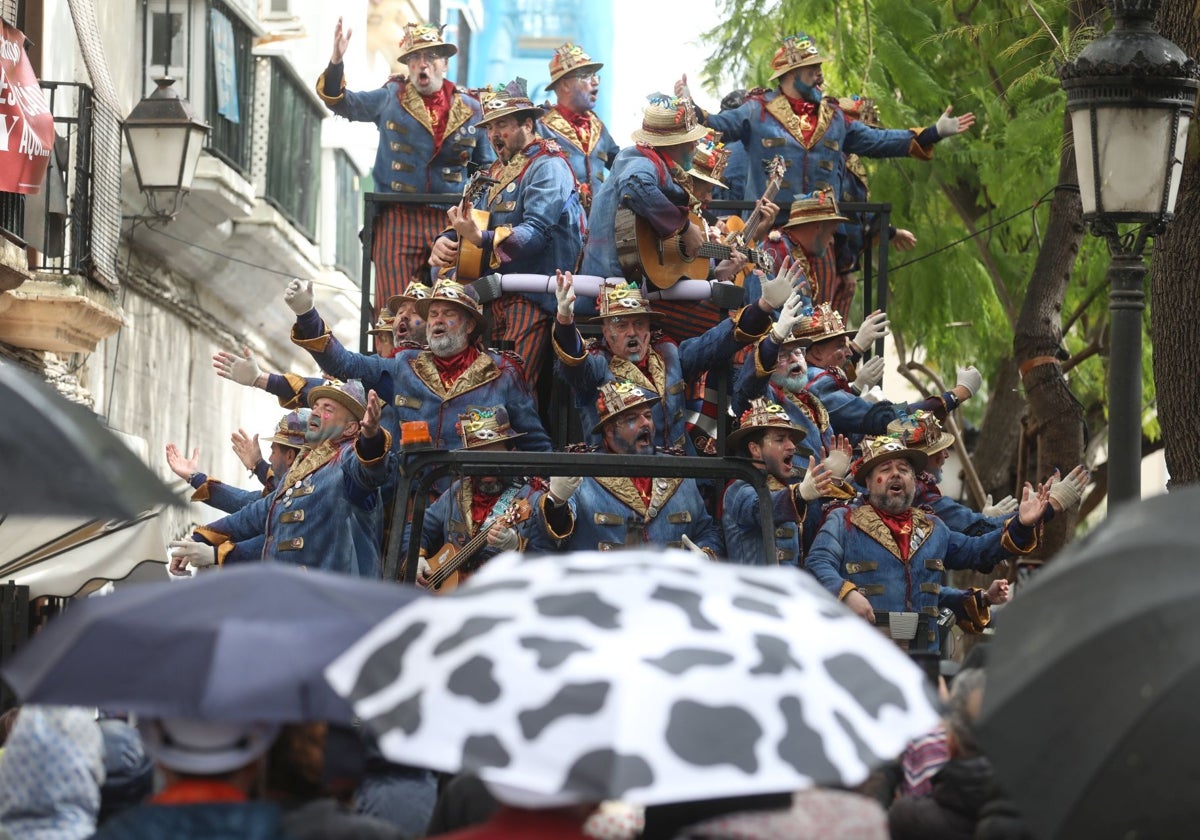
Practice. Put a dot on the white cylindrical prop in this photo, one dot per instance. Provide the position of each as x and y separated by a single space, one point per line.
589 285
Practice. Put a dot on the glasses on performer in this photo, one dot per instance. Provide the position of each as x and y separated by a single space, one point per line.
593 76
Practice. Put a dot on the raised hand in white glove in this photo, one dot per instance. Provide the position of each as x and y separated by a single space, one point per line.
299 296
564 293
948 126
869 374
681 87
563 487
971 379
503 538
1004 507
788 316
838 457
186 553
873 395
818 481
243 369
1066 493
692 547
776 290
873 327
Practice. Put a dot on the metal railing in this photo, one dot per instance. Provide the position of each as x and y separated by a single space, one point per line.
231 140
347 248
294 153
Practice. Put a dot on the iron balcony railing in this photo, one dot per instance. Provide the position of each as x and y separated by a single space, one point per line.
294 153
230 140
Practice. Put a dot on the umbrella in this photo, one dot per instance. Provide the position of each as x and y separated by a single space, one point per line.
243 643
1089 715
645 676
56 457
71 555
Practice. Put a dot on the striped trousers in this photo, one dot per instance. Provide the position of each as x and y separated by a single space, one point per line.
520 325
400 248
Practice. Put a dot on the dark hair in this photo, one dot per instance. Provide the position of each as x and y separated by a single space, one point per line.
128 771
733 99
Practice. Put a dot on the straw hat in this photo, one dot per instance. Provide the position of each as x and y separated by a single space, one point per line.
480 426
617 397
511 99
819 206
414 291
349 393
710 159
876 450
570 58
797 51
861 108
422 36
921 431
289 431
822 324
622 300
384 325
451 291
764 414
668 121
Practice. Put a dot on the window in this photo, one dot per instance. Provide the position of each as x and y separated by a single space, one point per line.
293 155
172 38
348 256
229 99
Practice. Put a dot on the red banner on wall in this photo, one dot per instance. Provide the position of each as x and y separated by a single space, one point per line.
26 124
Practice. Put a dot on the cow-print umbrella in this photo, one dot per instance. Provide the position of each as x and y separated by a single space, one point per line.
647 676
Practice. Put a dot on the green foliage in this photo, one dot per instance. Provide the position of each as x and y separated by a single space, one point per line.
998 59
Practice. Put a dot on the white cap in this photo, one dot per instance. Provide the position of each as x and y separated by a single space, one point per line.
204 747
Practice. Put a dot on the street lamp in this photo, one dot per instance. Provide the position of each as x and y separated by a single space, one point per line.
1131 95
165 138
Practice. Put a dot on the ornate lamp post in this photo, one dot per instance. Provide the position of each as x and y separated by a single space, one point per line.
1131 95
165 138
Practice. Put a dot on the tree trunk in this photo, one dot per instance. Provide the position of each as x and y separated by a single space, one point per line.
1000 434
1175 302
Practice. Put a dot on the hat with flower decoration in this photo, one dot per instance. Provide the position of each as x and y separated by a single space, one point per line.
512 98
619 396
420 37
384 325
876 450
822 324
819 206
668 121
289 431
798 50
861 108
764 414
621 300
349 393
414 291
479 426
451 291
921 430
710 159
570 58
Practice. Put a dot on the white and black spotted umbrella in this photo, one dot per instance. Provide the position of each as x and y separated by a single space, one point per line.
646 676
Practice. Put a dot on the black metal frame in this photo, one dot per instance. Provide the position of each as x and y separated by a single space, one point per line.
423 468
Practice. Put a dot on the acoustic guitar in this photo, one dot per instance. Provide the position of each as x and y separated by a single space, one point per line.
443 566
470 264
661 261
742 236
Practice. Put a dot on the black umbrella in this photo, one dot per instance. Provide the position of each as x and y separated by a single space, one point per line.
1089 713
244 643
56 457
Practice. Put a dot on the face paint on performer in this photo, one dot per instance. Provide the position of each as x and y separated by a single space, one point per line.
426 71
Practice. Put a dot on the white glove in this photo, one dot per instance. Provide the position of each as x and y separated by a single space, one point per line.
692 547
563 487
947 126
243 369
788 316
506 541
1003 507
424 570
869 374
808 487
838 463
565 295
191 553
1069 490
874 326
874 395
299 296
971 379
777 289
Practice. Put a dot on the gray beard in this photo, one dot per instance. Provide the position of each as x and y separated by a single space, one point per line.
789 383
446 345
490 486
891 505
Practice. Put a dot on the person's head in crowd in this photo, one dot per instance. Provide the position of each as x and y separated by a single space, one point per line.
381 334
769 437
966 700
187 749
453 318
888 470
626 418
128 771
337 409
791 367
813 220
574 78
826 337
797 66
408 323
734 99
426 55
487 429
708 166
510 119
669 126
289 437
625 319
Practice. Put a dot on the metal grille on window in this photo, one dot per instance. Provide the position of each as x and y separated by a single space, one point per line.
348 257
229 105
293 156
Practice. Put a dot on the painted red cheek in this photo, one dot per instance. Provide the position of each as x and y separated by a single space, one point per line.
879 481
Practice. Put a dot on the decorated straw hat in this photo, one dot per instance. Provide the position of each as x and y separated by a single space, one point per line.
921 431
414 291
422 36
861 108
570 58
622 300
668 121
384 325
797 51
764 414
349 393
451 291
876 450
480 426
289 431
512 98
710 159
822 324
819 206
620 396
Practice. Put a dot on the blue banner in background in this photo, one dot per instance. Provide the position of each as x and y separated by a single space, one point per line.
225 70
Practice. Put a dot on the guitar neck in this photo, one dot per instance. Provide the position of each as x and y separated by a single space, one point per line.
756 218
472 547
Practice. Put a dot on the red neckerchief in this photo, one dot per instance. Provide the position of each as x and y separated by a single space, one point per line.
450 369
900 525
438 106
642 483
481 506
197 791
807 112
582 123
